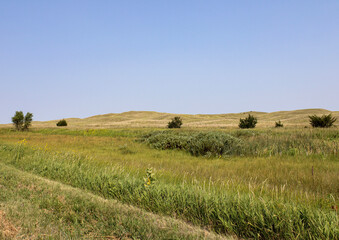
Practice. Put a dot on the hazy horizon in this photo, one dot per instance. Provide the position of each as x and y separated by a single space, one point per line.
82 58
70 117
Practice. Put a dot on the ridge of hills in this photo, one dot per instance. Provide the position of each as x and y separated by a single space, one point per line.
135 119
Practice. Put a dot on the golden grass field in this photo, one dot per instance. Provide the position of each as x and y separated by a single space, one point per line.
141 119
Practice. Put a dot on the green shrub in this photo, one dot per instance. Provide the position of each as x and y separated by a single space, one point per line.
198 144
213 144
279 124
248 122
22 122
62 123
324 121
175 123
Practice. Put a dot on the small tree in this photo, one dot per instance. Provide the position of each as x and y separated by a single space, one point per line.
27 121
175 123
324 121
18 120
62 123
22 122
279 124
248 122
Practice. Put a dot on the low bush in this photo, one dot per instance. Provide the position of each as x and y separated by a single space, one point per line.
62 123
279 124
324 121
248 122
175 123
198 144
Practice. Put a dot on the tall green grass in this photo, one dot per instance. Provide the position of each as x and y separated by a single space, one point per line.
82 132
93 132
256 142
295 175
36 208
247 142
289 142
245 215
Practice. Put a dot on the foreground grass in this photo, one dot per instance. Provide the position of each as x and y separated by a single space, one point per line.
282 184
298 164
36 208
245 215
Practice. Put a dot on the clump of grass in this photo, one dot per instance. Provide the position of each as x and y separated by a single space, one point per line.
196 143
124 149
242 214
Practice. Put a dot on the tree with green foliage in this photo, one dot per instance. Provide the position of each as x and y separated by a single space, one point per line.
21 122
248 122
62 123
325 121
175 123
18 120
28 120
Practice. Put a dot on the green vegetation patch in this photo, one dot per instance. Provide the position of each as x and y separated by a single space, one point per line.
246 142
196 143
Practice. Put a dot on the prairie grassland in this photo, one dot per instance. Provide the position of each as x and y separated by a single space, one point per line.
283 184
281 160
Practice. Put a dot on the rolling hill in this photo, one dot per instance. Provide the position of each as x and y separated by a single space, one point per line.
137 119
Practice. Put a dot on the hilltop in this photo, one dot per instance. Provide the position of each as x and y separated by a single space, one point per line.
131 119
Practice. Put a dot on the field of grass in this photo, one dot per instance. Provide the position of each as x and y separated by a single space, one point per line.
37 208
263 183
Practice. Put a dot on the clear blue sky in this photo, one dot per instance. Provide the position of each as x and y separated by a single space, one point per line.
62 59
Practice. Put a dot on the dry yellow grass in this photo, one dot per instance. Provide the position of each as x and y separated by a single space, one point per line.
7 229
141 119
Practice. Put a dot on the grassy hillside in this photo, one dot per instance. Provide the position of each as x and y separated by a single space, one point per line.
297 118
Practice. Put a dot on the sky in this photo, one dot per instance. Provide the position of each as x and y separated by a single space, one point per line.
78 58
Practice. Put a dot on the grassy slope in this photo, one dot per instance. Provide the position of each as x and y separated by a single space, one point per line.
156 119
32 207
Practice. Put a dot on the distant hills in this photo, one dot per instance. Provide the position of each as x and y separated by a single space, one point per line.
157 119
